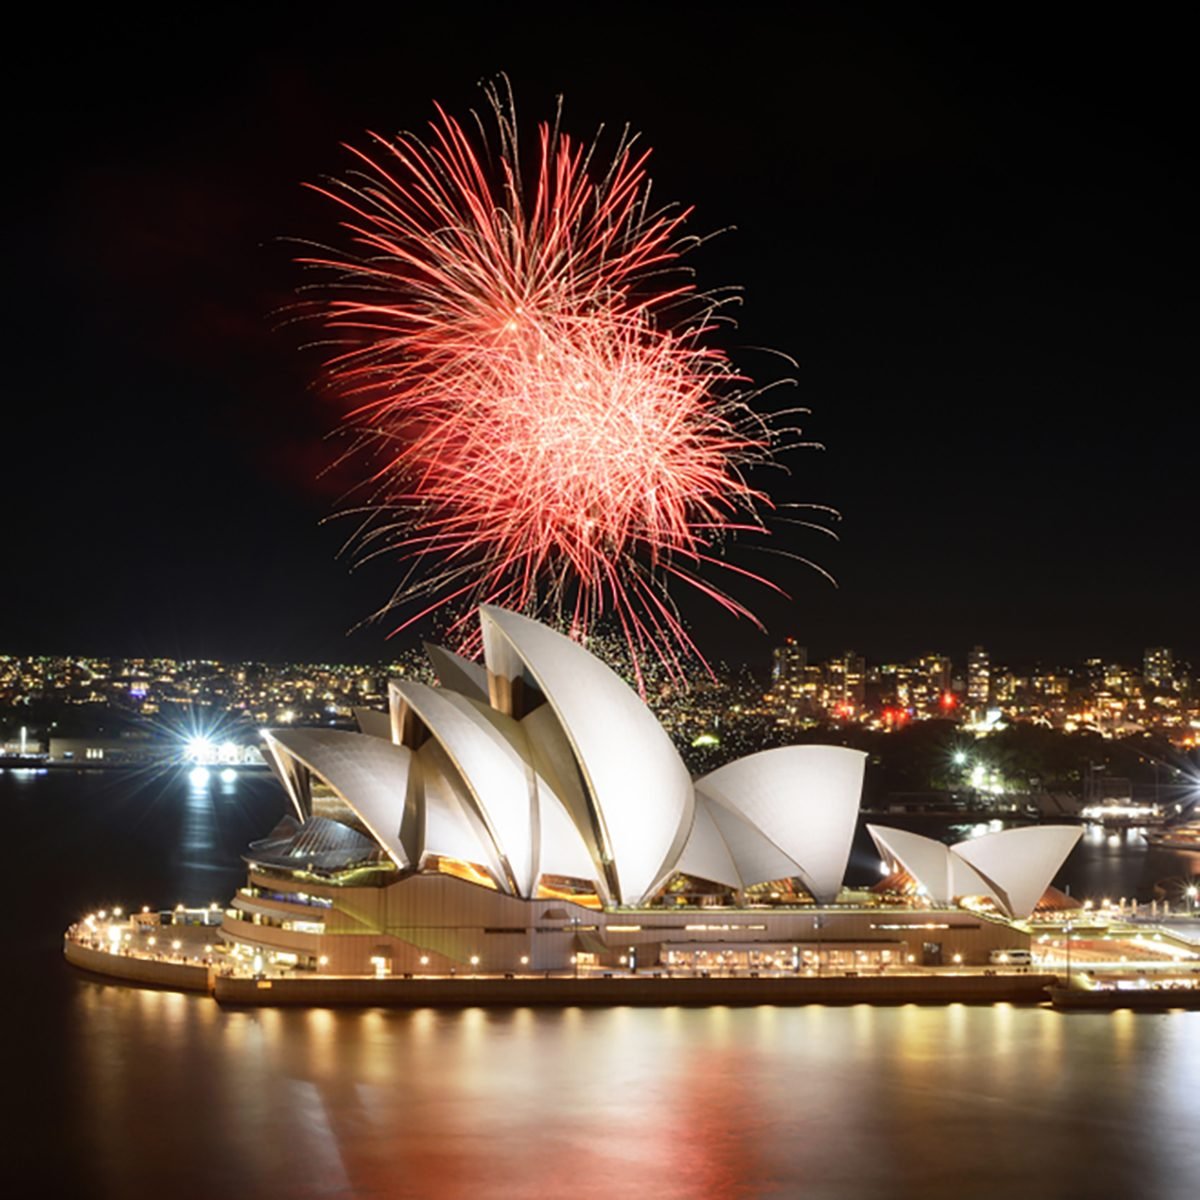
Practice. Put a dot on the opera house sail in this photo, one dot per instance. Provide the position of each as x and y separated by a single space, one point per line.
531 814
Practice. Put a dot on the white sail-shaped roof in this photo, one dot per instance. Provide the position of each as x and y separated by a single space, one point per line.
374 723
458 674
452 828
726 848
1020 863
539 741
940 873
804 800
558 775
493 769
292 774
706 854
1014 867
639 791
925 859
966 881
372 776
562 851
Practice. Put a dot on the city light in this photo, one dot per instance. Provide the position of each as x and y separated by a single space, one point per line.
199 750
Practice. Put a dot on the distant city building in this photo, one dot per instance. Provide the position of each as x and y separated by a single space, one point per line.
126 750
978 678
1158 667
788 664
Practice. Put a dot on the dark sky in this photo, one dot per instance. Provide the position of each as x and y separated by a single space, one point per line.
976 236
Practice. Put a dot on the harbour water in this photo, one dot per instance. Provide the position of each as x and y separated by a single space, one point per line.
118 1092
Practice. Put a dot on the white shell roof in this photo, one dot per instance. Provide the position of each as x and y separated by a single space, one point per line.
558 775
706 854
1013 867
374 723
726 848
458 674
925 859
932 864
562 851
452 829
804 800
639 790
1021 862
371 775
492 768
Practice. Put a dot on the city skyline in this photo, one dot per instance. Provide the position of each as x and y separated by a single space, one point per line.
169 699
1154 660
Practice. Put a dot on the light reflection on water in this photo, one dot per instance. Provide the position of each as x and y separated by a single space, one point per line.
678 1102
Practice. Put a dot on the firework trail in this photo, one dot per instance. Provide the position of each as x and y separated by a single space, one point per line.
531 376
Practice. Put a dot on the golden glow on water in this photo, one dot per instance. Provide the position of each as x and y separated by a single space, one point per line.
1003 1026
671 1103
1123 1023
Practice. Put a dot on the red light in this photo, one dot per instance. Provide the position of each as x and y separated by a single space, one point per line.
948 700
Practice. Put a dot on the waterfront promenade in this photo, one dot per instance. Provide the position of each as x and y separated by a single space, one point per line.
186 961
187 956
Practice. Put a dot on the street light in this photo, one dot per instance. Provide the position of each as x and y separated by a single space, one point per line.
1191 897
1067 928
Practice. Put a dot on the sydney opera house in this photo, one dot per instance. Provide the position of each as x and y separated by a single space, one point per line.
532 815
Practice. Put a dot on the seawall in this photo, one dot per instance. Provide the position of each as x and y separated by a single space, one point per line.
145 972
643 991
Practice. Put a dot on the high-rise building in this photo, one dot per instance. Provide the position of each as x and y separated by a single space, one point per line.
789 661
847 680
929 685
792 687
1158 666
978 677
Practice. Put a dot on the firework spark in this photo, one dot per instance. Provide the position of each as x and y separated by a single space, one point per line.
550 427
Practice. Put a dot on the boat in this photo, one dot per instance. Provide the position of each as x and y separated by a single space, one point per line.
1122 814
1173 993
1181 837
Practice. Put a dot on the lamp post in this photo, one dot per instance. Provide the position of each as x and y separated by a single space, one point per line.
1067 928
817 927
1191 897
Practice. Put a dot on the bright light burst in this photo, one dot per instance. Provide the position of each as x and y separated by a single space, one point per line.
549 425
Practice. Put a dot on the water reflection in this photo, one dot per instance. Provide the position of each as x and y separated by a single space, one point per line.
672 1103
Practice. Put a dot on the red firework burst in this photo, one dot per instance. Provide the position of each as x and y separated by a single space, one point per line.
553 431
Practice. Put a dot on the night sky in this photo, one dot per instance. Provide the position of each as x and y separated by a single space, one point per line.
978 241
